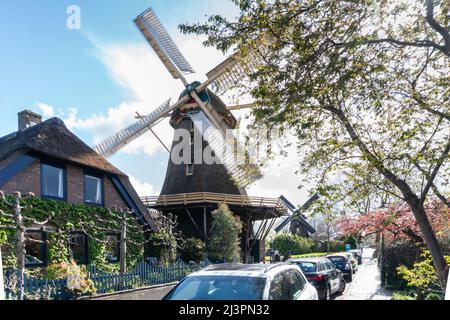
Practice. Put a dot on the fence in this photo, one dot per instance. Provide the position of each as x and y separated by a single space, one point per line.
143 275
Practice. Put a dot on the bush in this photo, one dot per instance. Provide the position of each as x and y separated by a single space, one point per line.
192 249
403 295
163 246
78 283
396 255
289 244
423 277
224 244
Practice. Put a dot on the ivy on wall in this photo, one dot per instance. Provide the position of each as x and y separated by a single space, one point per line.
95 222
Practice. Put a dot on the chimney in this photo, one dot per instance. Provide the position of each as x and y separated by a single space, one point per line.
28 119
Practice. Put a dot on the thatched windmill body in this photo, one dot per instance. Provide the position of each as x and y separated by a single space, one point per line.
194 189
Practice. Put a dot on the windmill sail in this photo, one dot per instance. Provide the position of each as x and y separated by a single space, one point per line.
160 40
116 142
296 213
232 71
226 151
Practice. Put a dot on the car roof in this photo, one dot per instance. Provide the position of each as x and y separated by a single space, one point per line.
312 259
343 255
237 269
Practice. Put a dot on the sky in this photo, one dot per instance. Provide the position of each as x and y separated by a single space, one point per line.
97 77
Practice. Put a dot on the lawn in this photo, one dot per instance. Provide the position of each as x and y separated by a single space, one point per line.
308 255
311 255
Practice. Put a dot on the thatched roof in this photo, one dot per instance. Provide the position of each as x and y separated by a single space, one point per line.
52 138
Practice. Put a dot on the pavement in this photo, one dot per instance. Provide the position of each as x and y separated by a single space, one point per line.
156 293
366 283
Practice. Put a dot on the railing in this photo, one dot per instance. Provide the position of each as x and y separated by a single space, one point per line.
143 275
216 198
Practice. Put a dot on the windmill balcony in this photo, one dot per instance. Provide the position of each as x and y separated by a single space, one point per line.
263 207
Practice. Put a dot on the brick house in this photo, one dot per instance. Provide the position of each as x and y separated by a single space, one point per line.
45 158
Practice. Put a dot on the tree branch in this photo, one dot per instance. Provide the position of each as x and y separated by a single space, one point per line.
437 27
435 172
418 43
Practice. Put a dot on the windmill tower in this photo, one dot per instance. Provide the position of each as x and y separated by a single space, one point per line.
193 189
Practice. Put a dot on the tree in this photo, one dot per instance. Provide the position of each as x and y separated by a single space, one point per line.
224 243
362 84
192 249
397 223
163 245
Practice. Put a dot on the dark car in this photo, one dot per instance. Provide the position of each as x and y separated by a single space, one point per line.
358 256
343 263
322 274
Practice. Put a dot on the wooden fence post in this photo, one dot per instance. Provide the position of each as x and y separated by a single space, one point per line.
2 287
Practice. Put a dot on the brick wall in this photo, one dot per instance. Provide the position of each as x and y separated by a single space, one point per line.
26 181
29 181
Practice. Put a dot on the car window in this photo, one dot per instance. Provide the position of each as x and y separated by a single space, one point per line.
325 266
296 286
330 265
219 288
307 267
279 288
301 279
338 259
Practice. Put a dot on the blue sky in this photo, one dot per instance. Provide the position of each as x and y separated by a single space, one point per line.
96 78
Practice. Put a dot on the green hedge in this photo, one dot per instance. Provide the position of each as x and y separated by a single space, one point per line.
288 244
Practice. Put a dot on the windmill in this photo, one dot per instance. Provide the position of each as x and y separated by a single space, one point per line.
213 126
297 220
192 191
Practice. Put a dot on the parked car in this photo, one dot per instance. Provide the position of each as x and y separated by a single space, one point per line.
343 263
352 260
245 282
358 256
323 275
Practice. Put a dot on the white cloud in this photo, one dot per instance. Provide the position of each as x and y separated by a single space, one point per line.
46 110
143 189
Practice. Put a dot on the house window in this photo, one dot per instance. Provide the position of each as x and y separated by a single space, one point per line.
93 190
78 247
52 182
190 170
113 248
35 249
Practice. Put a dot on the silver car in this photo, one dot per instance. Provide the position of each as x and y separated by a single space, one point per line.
245 282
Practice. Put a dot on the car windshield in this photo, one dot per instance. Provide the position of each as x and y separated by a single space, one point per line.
307 267
337 259
219 288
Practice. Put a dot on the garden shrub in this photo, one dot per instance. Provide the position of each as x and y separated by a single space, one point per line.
423 277
192 249
291 244
396 255
224 244
163 246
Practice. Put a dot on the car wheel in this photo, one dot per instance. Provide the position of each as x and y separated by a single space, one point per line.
327 294
350 278
342 286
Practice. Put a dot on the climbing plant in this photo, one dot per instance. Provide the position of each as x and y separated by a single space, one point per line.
63 219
